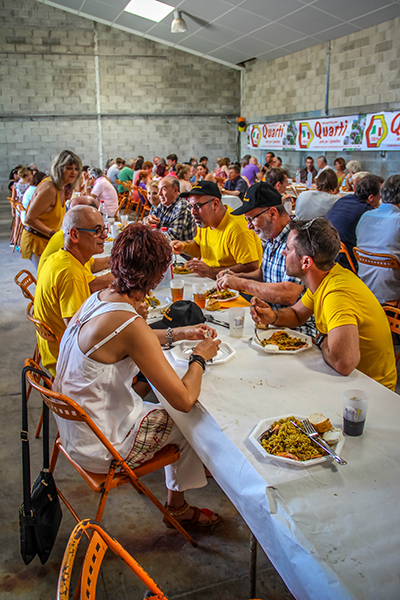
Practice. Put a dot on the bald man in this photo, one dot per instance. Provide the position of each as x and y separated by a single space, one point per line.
94 265
62 284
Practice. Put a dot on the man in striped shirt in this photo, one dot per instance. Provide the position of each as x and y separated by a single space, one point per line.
266 215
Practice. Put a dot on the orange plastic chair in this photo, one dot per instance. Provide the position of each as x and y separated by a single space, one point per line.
393 315
99 543
24 279
119 472
45 332
347 255
386 261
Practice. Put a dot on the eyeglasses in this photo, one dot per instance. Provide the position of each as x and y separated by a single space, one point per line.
306 227
251 219
198 206
98 231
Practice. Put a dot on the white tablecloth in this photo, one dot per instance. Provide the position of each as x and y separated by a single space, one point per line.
332 532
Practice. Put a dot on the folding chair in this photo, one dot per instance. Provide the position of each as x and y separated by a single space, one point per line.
24 279
45 332
386 261
393 315
119 472
344 250
100 541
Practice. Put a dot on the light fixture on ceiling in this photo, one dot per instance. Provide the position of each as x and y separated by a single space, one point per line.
150 9
178 25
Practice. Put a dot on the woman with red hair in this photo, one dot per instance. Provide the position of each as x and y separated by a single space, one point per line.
103 349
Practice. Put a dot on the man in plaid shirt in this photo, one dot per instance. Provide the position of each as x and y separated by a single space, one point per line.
267 216
173 212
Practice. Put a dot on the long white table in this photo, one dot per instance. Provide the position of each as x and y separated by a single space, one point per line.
332 532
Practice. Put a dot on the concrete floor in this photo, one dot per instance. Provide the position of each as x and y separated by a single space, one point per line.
218 568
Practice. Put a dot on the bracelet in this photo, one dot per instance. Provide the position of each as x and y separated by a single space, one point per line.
170 336
198 359
52 232
276 316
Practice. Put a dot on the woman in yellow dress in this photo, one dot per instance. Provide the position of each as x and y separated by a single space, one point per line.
47 207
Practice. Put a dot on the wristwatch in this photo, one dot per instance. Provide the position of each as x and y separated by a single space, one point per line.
319 338
170 336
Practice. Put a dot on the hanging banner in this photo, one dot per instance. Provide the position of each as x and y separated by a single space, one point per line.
355 132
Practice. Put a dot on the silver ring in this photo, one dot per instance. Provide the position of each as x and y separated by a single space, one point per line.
226 271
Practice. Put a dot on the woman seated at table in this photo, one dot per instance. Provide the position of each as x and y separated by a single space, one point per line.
47 207
103 349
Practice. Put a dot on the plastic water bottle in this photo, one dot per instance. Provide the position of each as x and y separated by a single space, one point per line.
288 206
309 180
169 274
298 176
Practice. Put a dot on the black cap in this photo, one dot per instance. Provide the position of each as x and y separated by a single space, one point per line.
203 188
258 195
180 314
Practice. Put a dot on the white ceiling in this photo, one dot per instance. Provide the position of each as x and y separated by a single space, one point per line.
233 31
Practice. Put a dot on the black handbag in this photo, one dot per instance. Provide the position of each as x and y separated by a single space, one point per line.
40 513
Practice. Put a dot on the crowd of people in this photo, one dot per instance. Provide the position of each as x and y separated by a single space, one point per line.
290 265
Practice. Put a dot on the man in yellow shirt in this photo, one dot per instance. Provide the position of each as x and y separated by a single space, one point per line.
62 284
222 241
354 330
94 265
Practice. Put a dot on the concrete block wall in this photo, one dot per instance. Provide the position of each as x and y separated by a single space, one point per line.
49 73
365 67
364 70
293 83
364 77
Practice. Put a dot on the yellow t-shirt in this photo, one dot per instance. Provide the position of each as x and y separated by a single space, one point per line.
56 242
62 288
343 299
228 244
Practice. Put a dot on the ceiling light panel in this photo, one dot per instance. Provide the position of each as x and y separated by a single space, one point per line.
151 9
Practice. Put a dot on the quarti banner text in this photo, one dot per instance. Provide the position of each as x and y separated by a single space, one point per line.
378 131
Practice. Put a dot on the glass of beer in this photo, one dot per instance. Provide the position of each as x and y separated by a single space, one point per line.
199 294
177 287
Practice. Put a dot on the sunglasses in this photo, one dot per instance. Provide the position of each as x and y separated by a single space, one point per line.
306 227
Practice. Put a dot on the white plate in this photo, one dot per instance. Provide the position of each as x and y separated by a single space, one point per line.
265 423
228 299
264 334
182 274
183 350
165 301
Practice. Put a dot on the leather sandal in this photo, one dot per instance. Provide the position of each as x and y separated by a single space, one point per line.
177 512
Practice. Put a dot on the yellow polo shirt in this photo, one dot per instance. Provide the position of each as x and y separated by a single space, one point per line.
228 244
343 299
56 242
62 288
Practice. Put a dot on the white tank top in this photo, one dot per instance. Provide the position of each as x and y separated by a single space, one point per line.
104 391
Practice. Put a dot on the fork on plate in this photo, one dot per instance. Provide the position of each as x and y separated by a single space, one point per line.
312 433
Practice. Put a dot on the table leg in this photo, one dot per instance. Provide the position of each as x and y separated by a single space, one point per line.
253 565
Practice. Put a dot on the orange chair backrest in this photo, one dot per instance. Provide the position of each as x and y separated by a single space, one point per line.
386 261
44 330
393 315
347 254
101 540
24 279
66 408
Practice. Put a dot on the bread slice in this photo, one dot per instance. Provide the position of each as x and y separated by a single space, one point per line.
212 304
320 422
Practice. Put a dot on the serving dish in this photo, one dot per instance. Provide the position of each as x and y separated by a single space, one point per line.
235 292
264 334
264 424
182 351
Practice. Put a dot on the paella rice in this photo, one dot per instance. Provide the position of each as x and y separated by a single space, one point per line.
283 439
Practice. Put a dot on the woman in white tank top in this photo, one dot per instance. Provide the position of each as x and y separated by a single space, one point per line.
105 345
